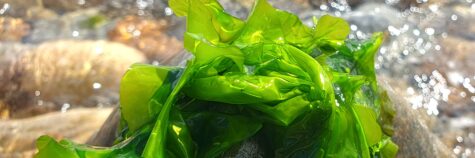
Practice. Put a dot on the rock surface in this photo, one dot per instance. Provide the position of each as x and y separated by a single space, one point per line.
62 74
19 136
148 36
13 29
412 132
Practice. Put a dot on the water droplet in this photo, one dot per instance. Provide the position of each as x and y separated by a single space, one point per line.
40 102
457 149
437 47
410 91
354 27
433 7
459 139
338 14
468 152
81 2
96 85
168 11
444 35
472 98
323 7
430 31
391 2
136 33
37 93
4 9
98 50
455 78
141 4
454 17
156 63
393 30
65 107
75 33
416 32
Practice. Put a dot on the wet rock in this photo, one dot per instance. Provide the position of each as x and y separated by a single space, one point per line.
461 20
143 8
318 3
19 136
22 8
16 8
374 17
238 8
9 52
107 133
62 6
64 74
13 29
149 36
83 24
413 136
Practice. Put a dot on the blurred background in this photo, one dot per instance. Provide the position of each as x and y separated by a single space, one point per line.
61 61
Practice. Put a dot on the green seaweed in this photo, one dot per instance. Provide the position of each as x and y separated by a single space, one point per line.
303 91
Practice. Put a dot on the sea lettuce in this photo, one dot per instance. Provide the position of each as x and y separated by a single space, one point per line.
300 91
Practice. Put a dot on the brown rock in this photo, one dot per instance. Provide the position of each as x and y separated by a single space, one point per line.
64 74
19 136
13 29
148 36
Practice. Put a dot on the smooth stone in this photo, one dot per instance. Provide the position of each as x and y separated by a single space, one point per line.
19 135
62 74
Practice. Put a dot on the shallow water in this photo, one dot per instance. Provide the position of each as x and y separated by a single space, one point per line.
427 55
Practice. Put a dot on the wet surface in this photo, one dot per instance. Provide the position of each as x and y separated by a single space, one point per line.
58 55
